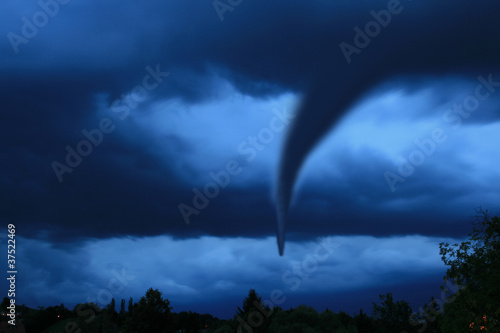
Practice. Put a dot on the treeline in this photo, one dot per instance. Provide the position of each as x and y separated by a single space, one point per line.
153 313
470 304
254 316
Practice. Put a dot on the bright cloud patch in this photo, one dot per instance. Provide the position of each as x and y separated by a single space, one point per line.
187 271
202 137
418 137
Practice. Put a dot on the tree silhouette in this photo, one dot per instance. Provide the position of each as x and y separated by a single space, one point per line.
130 305
328 321
392 316
475 265
429 317
363 322
122 306
111 309
190 322
150 315
253 314
249 304
5 304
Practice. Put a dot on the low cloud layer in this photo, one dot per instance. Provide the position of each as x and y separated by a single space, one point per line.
191 271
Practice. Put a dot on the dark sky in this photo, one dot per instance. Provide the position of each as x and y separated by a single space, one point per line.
146 145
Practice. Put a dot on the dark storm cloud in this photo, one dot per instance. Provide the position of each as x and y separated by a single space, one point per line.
355 198
50 92
118 186
440 46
